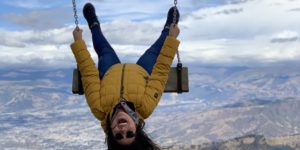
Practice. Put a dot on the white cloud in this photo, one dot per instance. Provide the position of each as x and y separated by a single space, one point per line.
53 37
30 4
242 37
126 32
257 31
256 18
285 36
51 47
38 19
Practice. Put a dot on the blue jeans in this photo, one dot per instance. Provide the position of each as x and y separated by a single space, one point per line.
108 57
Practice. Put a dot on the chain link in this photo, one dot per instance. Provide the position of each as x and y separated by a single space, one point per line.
178 57
175 12
75 12
174 22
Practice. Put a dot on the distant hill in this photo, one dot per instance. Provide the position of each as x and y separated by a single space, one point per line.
271 119
249 142
221 85
211 85
38 110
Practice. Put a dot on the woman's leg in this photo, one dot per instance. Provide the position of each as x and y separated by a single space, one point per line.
148 59
106 54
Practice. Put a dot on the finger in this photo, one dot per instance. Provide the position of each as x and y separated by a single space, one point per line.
78 29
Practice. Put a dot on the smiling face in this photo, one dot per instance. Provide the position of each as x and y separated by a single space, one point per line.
122 127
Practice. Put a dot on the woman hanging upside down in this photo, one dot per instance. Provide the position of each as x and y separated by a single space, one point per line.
122 96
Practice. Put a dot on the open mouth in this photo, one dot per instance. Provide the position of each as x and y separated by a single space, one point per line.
121 120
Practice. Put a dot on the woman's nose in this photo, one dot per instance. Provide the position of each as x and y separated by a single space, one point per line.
123 129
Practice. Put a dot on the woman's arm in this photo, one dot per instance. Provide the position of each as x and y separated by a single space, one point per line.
159 76
89 72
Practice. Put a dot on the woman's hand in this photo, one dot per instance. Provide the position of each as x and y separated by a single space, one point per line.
77 34
174 30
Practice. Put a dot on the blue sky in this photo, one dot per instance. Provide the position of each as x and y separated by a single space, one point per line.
38 33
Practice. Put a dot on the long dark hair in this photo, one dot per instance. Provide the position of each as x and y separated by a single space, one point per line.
142 140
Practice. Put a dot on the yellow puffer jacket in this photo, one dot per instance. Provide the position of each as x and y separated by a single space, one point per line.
142 90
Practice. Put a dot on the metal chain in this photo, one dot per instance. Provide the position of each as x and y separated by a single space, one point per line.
75 12
175 12
178 56
174 22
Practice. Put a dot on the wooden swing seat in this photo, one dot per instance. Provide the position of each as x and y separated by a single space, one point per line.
177 82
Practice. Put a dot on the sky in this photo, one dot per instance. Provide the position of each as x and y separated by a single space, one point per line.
38 33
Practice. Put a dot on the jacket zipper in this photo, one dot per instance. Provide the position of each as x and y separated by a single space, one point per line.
122 83
130 112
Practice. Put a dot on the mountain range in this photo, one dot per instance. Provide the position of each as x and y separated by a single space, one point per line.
248 142
38 110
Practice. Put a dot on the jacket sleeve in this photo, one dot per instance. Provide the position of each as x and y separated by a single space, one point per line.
90 78
159 76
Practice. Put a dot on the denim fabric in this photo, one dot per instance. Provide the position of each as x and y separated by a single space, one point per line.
106 54
108 57
148 59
